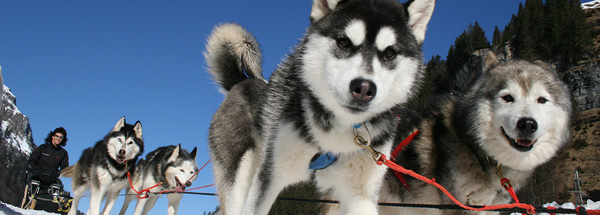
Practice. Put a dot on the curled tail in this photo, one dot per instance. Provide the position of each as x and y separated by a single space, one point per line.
68 172
232 55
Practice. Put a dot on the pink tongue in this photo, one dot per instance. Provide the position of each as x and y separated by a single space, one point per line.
524 142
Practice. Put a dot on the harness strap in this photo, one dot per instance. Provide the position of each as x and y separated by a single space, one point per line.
398 149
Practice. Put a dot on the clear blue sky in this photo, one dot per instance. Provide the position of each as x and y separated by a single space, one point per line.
84 64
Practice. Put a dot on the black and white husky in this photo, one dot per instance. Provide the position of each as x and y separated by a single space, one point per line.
514 118
358 62
103 168
171 166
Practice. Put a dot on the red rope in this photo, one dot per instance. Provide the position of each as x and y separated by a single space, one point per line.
383 160
398 149
177 189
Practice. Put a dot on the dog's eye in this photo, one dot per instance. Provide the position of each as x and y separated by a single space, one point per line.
508 98
120 140
344 43
389 53
542 100
130 142
181 170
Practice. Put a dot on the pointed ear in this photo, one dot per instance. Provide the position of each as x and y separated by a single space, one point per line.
138 130
320 8
119 124
174 154
490 60
419 12
193 153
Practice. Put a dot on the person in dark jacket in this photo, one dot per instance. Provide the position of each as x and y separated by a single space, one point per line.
48 159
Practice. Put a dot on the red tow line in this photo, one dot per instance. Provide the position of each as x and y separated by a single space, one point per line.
143 194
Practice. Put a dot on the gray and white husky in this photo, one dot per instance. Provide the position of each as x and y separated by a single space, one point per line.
172 166
514 118
103 168
359 61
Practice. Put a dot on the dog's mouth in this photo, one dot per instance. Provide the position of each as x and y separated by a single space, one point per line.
522 145
181 185
121 159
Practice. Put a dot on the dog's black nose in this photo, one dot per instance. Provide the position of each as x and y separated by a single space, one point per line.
362 89
121 152
527 125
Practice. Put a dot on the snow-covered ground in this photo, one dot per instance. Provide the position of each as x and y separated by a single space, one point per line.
591 4
7 209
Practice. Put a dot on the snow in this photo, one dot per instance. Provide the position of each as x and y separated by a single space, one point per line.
18 142
8 209
591 4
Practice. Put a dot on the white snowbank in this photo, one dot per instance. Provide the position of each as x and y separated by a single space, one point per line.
591 4
8 209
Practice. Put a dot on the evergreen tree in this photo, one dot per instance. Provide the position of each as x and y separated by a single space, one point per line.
497 41
478 39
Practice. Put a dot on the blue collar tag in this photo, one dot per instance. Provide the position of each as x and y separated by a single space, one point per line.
323 161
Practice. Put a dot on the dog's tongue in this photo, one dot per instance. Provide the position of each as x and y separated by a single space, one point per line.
524 142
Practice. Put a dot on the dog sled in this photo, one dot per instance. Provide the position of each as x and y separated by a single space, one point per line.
51 198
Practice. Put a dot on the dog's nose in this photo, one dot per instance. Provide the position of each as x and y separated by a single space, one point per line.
121 152
527 125
362 89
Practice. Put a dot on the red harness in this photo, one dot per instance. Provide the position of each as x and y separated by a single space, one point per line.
398 149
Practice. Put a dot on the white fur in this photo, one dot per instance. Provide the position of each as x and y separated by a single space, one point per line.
356 32
331 76
498 113
386 37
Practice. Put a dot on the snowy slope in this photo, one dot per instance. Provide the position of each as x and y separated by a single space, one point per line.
591 4
10 109
7 209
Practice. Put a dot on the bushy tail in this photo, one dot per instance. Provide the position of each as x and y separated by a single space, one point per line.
68 172
232 55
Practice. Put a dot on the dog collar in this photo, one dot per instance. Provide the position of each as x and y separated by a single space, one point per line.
322 161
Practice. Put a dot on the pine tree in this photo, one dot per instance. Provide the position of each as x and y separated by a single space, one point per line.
497 41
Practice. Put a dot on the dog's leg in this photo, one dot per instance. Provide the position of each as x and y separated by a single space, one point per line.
174 200
111 198
97 194
284 164
78 192
356 180
149 204
234 196
128 198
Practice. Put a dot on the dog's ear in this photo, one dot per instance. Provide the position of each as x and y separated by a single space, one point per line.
137 127
490 60
175 154
120 124
320 8
193 153
419 12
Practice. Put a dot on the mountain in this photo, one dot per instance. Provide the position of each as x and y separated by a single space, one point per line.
15 146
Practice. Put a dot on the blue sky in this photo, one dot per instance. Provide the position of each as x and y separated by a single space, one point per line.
84 64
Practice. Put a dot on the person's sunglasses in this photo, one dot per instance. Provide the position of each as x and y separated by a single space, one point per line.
60 137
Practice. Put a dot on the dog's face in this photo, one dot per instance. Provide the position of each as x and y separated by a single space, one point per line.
525 117
364 57
125 141
181 168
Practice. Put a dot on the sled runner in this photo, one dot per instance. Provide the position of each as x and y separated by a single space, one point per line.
52 198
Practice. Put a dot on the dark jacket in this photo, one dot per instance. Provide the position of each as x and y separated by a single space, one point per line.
48 160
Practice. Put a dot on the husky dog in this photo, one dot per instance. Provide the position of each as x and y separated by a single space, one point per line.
172 166
103 168
359 61
511 120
